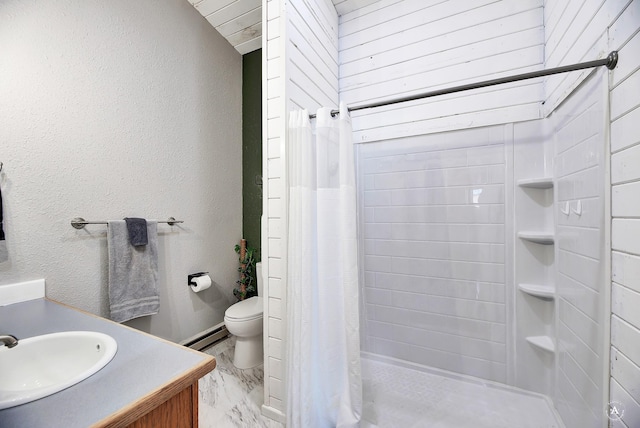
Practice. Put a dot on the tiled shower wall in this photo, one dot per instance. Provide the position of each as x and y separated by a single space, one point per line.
433 221
582 309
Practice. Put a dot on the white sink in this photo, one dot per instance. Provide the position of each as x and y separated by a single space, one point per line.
43 365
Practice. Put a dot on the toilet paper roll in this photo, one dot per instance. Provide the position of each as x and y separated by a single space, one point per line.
201 283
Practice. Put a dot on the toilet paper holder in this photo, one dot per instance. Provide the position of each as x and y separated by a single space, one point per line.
194 275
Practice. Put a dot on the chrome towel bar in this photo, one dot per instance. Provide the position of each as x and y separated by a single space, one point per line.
80 223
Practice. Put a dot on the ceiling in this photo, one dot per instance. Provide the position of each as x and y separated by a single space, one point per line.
240 21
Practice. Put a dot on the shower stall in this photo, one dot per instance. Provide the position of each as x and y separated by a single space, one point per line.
483 259
483 216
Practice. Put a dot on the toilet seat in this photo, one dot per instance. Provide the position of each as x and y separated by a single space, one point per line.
247 310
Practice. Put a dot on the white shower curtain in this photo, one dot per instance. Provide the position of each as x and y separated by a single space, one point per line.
324 386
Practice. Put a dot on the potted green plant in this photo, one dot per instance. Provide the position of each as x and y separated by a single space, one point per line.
246 284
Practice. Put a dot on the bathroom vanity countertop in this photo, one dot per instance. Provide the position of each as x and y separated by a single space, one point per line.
145 372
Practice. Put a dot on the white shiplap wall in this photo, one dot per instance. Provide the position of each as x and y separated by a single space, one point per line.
625 209
300 54
575 31
583 30
274 129
396 48
346 6
273 208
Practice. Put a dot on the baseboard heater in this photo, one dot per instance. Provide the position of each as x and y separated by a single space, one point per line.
206 338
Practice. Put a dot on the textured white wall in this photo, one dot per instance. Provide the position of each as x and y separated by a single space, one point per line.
114 109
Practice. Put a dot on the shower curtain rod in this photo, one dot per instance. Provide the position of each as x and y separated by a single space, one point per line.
610 62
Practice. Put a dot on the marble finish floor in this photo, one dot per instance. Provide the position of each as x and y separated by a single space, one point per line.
393 396
230 397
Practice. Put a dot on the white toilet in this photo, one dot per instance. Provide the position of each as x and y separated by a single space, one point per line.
244 320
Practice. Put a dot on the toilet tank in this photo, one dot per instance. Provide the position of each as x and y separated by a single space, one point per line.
259 278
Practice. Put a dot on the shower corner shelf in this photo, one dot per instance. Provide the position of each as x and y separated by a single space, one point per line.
537 183
538 290
537 237
543 342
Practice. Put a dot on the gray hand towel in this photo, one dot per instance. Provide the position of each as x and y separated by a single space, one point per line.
1 227
137 228
133 273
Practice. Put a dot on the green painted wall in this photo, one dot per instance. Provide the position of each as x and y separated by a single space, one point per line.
252 147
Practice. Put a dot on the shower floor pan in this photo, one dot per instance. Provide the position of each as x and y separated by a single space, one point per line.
396 396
